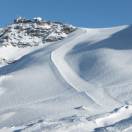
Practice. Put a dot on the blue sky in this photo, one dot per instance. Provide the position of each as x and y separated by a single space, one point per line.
84 13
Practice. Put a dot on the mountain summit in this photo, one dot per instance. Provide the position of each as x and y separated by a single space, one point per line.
25 32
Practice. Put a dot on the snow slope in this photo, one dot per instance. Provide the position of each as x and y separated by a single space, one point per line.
81 83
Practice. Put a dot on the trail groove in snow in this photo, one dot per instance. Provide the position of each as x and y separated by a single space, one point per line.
58 58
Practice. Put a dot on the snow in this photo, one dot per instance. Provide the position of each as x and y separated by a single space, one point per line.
80 83
129 129
122 113
38 19
6 116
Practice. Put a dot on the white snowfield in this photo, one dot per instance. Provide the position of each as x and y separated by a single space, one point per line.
82 83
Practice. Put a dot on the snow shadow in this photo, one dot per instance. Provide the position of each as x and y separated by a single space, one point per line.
121 40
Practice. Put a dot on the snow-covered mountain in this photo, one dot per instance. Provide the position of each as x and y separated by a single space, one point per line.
24 32
58 78
29 33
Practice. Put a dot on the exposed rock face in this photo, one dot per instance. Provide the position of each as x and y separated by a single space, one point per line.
25 32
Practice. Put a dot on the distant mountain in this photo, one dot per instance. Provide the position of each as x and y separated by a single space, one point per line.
55 77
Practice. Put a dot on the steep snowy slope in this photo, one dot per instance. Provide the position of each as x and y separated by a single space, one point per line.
80 83
29 34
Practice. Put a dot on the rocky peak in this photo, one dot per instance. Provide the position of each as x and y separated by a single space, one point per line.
32 32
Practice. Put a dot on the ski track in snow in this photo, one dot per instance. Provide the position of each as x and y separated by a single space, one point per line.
58 58
66 100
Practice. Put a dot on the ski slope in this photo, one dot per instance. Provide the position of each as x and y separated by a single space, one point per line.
81 83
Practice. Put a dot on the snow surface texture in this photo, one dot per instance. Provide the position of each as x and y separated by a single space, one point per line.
81 83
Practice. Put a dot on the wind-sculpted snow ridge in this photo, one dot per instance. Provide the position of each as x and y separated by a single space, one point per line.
80 83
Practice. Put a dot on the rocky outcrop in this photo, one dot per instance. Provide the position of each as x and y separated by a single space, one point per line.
25 32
